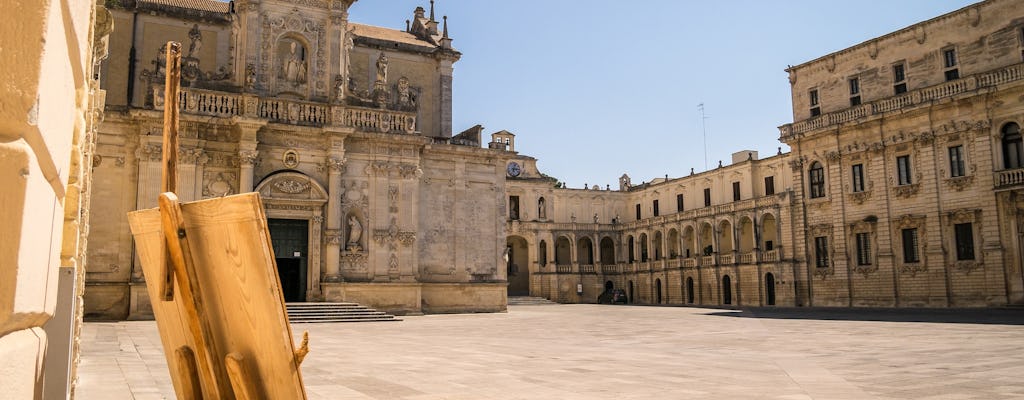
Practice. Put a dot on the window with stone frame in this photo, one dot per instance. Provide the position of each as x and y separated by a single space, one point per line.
816 176
820 236
854 91
707 197
1012 146
910 243
858 178
903 170
679 203
815 107
899 78
956 161
862 236
769 185
964 226
950 64
821 252
656 210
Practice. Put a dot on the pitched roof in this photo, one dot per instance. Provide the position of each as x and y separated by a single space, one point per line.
391 35
201 5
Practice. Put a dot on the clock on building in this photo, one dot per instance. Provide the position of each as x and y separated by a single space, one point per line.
514 169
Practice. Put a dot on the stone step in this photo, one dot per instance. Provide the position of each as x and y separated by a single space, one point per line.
334 312
528 300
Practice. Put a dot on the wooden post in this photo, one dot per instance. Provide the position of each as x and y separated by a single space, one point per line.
169 177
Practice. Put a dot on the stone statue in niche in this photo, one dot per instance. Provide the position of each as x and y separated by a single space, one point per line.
542 212
382 68
293 68
406 95
196 37
355 232
250 76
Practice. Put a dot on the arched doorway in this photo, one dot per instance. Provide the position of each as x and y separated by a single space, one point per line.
630 292
563 251
769 289
607 251
585 251
294 206
689 290
726 290
518 266
657 291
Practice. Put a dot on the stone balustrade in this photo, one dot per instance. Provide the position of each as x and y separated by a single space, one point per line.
1010 177
609 269
563 268
770 256
707 260
748 258
727 259
689 262
587 269
917 98
292 112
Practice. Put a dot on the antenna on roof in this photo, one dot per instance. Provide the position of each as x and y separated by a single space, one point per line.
704 127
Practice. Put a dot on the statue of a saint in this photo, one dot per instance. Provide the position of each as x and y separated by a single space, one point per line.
382 68
355 231
294 68
196 37
542 210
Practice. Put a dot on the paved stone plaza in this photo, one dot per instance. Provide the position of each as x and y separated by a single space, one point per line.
621 352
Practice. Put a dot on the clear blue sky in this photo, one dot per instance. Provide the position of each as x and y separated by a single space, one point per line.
595 89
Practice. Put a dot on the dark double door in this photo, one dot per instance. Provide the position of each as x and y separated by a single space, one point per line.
290 239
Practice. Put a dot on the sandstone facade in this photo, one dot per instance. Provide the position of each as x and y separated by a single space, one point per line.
345 131
902 189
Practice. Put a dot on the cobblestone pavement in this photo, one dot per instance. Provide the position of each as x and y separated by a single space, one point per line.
621 352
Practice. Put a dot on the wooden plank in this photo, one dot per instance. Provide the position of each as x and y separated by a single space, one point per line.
241 292
169 176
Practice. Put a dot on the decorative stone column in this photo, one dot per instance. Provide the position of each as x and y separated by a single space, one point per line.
248 155
333 237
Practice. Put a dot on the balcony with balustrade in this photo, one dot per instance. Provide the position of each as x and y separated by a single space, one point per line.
922 97
211 103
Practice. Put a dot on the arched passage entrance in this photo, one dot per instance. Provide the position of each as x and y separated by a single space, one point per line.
769 289
657 291
726 289
607 251
518 266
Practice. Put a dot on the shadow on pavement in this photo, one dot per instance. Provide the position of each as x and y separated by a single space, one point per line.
948 316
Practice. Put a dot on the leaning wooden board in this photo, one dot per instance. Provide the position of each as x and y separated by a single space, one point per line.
242 301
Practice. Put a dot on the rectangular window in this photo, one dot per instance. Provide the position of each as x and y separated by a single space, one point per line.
735 191
815 110
817 174
513 207
858 178
854 91
910 254
679 203
956 161
821 252
964 241
950 63
863 249
769 185
656 212
707 197
638 212
899 78
903 170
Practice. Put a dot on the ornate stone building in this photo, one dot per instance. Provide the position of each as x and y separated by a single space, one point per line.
902 189
345 131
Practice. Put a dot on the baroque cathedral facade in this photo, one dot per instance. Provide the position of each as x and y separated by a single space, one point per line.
345 131
900 189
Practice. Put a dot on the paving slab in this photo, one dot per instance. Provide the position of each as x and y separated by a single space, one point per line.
621 352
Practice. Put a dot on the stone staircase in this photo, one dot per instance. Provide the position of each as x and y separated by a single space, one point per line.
528 301
334 312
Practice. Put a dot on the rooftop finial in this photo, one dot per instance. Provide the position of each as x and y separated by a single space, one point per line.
445 18
431 10
407 26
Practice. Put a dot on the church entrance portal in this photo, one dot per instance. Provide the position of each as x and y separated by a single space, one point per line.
290 239
518 267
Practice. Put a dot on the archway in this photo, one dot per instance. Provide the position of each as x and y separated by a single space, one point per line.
673 243
518 266
689 290
563 251
542 251
726 290
725 244
643 247
657 244
769 289
769 232
585 251
632 249
607 251
707 242
294 205
630 292
746 235
657 291
689 247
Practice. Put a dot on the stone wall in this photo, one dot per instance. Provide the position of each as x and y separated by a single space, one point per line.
48 107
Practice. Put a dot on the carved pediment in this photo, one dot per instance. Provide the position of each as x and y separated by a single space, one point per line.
291 186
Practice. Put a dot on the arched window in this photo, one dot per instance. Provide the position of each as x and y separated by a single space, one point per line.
817 178
1013 147
543 253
